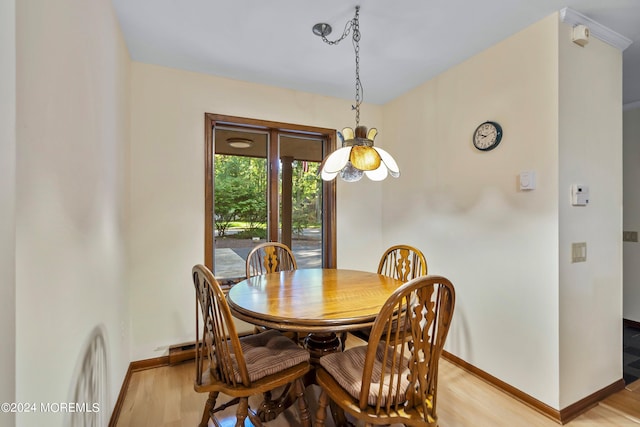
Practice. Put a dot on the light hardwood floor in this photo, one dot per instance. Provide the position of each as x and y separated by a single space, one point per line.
165 397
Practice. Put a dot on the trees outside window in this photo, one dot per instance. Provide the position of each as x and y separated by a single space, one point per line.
240 188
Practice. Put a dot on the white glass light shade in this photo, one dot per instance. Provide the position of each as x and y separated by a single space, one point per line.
389 162
378 174
334 163
359 157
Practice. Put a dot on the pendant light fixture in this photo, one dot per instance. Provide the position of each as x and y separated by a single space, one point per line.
357 156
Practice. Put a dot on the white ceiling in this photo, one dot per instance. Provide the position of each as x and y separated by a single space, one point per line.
404 42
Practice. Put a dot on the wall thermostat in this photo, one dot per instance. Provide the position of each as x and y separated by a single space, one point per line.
527 180
579 195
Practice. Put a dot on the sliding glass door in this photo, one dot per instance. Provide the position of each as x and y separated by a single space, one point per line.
263 185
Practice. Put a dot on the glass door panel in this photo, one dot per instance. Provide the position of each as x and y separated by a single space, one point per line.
240 198
300 201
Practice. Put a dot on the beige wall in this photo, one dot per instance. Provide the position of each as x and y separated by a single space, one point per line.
505 249
498 245
590 147
7 207
631 126
167 189
71 152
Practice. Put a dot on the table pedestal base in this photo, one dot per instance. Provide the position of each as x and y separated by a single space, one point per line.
321 344
318 345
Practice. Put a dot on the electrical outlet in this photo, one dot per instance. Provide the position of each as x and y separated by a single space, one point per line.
579 252
629 236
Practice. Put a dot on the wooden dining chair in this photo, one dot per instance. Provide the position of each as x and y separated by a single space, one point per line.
270 257
241 367
387 381
403 262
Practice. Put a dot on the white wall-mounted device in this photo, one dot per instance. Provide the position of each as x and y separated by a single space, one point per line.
579 195
580 35
527 180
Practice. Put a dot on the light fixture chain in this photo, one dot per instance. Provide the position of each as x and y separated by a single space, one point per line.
345 33
352 25
356 47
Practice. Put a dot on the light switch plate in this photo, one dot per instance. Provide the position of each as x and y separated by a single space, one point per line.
629 236
579 252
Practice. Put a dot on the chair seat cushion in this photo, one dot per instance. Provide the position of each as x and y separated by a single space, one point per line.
268 353
346 368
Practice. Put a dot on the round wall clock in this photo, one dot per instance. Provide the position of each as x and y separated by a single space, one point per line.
487 136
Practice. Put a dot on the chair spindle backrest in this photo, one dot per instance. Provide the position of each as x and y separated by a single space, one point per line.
410 354
270 257
403 262
218 348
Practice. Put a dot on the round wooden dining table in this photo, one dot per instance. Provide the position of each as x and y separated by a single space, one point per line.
315 301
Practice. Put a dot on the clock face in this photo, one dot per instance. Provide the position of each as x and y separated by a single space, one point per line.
487 136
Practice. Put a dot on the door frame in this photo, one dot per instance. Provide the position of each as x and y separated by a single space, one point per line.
274 128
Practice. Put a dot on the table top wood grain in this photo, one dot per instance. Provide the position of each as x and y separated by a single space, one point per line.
312 300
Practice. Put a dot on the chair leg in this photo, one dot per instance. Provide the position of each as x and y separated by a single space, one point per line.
338 415
303 406
208 407
321 412
242 412
255 419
